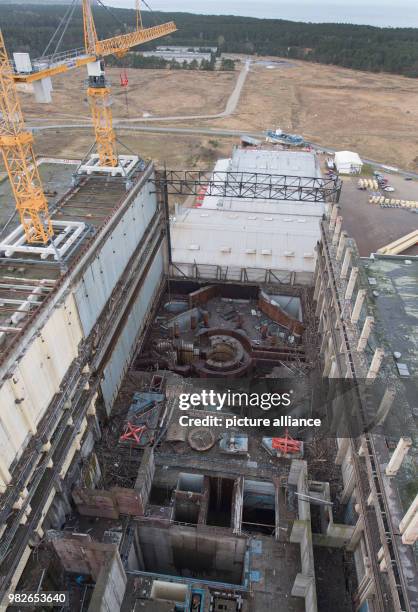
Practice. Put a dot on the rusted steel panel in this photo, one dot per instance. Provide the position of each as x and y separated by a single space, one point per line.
280 316
94 502
128 501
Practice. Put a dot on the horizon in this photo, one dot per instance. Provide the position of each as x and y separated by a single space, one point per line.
373 13
381 14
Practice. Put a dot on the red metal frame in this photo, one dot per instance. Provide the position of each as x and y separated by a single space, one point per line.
124 79
133 433
287 444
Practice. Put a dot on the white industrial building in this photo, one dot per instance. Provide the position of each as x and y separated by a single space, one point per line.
348 162
278 235
181 54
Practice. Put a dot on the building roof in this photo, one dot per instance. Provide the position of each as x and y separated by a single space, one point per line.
393 284
271 161
260 233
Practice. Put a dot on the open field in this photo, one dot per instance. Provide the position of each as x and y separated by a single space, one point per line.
157 92
374 114
176 151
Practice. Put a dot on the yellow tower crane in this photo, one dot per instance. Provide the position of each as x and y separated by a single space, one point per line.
98 91
16 141
19 159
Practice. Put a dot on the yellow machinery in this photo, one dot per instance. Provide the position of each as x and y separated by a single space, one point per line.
19 158
16 142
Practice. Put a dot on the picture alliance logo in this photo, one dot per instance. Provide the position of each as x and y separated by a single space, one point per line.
214 399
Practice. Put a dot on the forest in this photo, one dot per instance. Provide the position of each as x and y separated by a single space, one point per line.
29 27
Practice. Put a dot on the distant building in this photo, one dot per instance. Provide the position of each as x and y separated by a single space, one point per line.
182 54
348 162
202 49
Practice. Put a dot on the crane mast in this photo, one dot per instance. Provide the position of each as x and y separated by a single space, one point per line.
19 159
100 103
99 93
16 141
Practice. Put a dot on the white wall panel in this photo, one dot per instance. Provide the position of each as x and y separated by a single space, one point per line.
228 246
123 351
25 396
102 275
13 428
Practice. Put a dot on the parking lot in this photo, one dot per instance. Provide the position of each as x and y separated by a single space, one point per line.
371 226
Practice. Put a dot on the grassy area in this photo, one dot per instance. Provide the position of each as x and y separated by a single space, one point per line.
367 170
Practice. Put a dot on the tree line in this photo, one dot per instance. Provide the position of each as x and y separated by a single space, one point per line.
136 60
28 27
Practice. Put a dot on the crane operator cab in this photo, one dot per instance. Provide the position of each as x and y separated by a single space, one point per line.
96 74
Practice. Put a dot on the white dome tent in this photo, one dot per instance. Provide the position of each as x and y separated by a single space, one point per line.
348 162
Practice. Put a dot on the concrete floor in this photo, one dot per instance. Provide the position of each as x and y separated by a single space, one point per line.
371 226
275 568
332 592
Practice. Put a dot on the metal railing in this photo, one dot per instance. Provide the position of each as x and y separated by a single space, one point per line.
46 61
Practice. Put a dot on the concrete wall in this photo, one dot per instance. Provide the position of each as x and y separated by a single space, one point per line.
123 351
185 551
304 585
237 239
100 278
110 586
49 374
25 396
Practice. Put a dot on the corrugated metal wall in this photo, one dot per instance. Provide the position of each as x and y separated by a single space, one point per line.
101 276
124 349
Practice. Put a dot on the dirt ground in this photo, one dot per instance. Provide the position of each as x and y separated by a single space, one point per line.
373 114
177 151
153 92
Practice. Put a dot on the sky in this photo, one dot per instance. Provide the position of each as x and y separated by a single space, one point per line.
384 13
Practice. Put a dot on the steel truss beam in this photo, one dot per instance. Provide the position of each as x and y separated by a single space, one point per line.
248 185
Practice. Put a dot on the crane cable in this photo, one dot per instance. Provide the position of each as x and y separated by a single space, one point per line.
151 11
113 15
64 21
